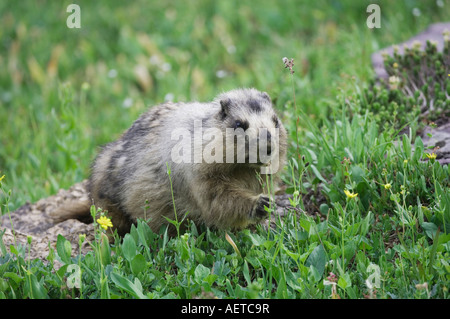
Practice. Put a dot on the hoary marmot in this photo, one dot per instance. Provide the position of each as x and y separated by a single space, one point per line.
213 152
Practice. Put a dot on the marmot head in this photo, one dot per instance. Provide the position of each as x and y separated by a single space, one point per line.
253 130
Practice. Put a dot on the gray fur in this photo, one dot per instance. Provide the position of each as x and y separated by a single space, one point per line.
131 173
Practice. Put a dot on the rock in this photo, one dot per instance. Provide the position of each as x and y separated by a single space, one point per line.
440 138
432 33
440 134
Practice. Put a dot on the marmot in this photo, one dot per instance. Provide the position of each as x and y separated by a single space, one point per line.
130 179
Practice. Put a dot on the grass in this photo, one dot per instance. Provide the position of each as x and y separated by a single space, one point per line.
66 91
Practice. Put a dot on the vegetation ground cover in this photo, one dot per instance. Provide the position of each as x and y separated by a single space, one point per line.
378 201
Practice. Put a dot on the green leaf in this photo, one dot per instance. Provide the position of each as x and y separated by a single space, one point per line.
129 247
281 292
17 279
324 208
365 224
295 256
3 285
344 281
256 239
2 245
418 149
199 255
350 249
313 274
430 229
406 142
183 250
246 273
64 249
138 264
14 250
358 174
105 250
144 233
317 258
134 289
306 224
443 239
349 154
317 173
443 197
62 271
221 268
200 273
133 233
268 244
293 279
433 250
34 289
104 288
210 279
298 234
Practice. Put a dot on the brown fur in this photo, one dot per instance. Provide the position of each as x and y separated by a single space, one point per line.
129 177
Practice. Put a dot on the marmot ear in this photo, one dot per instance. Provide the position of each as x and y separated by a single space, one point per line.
266 96
225 107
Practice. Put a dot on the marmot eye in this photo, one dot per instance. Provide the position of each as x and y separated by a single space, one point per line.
241 124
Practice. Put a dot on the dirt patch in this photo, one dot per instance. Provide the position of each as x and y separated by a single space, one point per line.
32 220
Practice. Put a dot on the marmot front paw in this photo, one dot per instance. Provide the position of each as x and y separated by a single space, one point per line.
259 213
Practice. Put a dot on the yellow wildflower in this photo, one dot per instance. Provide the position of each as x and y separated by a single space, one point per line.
104 222
431 156
2 178
395 65
350 194
387 186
